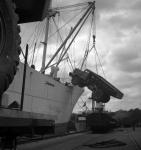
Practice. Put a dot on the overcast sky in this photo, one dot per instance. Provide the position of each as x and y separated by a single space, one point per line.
119 35
118 41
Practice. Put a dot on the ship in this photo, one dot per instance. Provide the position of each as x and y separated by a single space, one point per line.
35 102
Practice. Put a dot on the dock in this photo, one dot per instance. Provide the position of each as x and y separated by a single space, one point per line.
119 139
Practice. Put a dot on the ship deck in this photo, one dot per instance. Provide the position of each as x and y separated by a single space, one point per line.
120 139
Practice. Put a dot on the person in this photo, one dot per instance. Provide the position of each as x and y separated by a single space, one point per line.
133 126
33 66
54 71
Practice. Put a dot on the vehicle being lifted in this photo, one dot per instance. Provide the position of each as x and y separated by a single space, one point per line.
101 88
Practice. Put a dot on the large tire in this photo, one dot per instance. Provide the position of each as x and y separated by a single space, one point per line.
9 44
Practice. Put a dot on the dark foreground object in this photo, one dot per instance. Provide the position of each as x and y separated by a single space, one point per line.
106 144
16 123
100 122
124 139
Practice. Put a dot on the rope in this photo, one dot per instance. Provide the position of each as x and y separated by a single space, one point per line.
37 37
76 34
79 13
69 6
100 62
64 46
87 51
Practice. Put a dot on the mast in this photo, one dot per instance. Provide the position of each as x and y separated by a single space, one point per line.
49 14
45 45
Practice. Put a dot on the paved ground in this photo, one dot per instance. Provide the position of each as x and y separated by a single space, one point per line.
121 139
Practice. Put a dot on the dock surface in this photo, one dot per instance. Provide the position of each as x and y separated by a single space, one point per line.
119 139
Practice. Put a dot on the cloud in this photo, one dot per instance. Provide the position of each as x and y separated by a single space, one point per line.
137 5
118 35
127 57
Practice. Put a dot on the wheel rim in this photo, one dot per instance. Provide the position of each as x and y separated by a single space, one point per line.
2 33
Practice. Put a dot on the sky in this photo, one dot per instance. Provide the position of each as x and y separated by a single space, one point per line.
119 27
118 34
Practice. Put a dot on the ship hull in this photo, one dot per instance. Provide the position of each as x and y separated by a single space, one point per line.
20 123
61 128
44 96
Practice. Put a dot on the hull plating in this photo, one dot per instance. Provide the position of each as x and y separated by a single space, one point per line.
43 95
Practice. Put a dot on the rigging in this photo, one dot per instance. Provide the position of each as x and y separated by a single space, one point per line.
64 46
82 19
87 51
70 6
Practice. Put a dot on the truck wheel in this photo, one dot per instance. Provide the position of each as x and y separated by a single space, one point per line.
9 43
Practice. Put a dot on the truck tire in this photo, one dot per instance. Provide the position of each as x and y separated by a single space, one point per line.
9 44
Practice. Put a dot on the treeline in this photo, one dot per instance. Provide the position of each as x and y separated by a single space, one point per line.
128 118
122 118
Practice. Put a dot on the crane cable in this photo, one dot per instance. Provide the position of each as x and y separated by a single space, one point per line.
87 51
69 6
36 39
76 34
67 23
28 42
94 43
64 46
100 61
31 38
